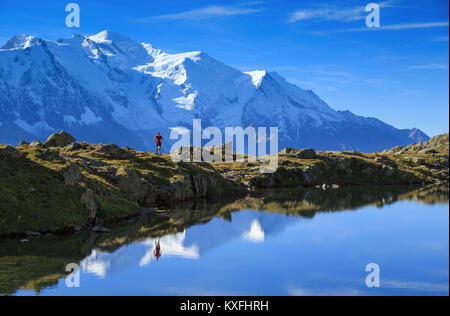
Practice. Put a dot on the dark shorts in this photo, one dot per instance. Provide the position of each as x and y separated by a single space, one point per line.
158 145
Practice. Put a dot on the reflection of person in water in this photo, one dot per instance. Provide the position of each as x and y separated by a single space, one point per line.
158 252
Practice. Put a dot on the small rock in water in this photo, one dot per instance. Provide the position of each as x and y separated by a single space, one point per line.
100 229
147 211
77 228
33 234
24 241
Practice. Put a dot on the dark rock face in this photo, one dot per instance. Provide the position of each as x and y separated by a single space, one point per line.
114 151
60 139
134 186
90 205
190 187
72 175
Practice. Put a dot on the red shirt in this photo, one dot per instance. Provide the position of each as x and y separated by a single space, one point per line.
158 139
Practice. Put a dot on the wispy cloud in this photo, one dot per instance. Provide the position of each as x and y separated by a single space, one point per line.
441 39
211 11
323 78
432 66
416 286
340 291
394 27
333 13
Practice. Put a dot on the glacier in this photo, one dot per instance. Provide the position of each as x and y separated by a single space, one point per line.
107 88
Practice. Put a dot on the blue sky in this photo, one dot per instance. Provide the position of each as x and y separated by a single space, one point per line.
398 73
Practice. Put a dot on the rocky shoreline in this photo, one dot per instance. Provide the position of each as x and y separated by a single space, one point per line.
61 185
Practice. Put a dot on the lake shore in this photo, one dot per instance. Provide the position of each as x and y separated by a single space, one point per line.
63 185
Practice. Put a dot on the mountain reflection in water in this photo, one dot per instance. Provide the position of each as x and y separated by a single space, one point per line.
188 231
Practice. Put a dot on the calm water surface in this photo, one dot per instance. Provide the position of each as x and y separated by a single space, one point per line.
276 243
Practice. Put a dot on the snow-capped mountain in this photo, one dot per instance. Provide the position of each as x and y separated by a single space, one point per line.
108 88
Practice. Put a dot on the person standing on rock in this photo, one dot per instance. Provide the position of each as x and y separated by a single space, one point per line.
158 141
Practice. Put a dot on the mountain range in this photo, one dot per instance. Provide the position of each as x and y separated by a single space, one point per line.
107 88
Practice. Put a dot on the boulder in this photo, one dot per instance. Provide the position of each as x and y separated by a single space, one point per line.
36 144
60 139
72 175
307 153
49 155
114 151
75 146
90 205
416 160
288 151
386 161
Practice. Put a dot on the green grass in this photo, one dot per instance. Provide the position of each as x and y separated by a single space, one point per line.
116 208
33 197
